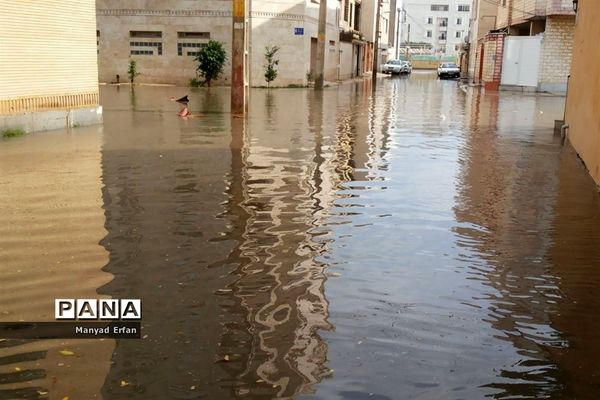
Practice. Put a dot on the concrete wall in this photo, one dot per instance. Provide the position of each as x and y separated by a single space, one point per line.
270 24
557 51
47 56
115 21
583 98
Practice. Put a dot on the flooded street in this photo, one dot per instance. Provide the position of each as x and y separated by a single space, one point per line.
422 243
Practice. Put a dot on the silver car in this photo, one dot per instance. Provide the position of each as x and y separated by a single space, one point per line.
448 70
392 67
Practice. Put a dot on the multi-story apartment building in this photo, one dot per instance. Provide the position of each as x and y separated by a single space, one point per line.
443 24
368 25
48 73
352 41
530 47
164 37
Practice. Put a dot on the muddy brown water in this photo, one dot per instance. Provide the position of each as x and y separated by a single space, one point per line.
425 243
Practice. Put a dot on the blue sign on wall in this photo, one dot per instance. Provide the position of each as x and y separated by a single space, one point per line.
298 31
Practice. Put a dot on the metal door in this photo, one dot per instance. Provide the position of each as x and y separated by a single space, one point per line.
521 60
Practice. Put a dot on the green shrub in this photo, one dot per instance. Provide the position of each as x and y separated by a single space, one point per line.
194 82
271 71
12 132
211 59
132 71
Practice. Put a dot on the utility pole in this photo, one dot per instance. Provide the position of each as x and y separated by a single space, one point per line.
408 43
320 67
238 58
376 46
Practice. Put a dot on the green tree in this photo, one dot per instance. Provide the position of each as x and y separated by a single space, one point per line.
271 71
211 59
132 71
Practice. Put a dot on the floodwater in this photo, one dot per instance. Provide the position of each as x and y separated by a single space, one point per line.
422 243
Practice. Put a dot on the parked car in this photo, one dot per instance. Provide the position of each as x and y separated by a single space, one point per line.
407 67
392 67
448 70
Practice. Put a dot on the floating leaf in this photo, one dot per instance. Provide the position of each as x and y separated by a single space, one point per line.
17 369
124 383
66 353
192 387
226 358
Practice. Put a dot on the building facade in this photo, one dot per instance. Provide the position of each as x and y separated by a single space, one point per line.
164 38
583 96
352 44
48 73
442 25
536 39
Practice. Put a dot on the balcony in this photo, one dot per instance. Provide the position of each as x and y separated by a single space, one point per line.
560 7
351 36
533 9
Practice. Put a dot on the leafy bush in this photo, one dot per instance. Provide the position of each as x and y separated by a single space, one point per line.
194 82
12 132
211 59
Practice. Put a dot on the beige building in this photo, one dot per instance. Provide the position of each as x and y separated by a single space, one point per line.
529 47
583 97
165 36
352 41
48 73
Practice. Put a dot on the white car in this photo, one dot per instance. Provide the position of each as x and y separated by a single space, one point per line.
448 70
407 67
392 67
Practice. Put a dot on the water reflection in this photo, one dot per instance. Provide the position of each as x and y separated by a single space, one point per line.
506 237
422 242
235 218
50 224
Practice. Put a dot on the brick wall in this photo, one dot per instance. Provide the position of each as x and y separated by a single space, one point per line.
557 51
492 60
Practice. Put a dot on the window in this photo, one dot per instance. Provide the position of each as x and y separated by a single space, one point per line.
332 42
346 9
443 22
192 46
429 33
135 50
193 35
458 21
439 7
357 17
464 7
443 36
458 34
430 20
145 34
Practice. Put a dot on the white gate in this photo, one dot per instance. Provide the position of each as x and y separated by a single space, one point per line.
521 61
